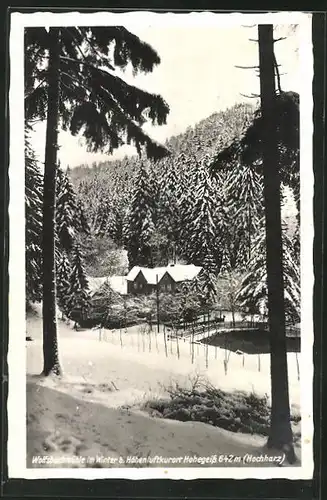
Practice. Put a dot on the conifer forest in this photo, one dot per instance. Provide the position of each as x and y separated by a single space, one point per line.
175 242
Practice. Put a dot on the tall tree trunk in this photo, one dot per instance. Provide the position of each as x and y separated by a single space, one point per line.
280 436
50 341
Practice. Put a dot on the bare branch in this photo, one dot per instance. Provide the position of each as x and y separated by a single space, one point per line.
277 75
247 67
251 96
35 120
279 39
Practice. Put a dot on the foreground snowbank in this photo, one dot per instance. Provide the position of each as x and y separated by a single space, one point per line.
68 429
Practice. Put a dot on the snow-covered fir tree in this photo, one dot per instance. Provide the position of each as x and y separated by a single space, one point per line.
244 197
201 238
78 298
185 199
82 224
107 223
33 222
241 210
253 293
208 279
140 222
70 218
225 267
169 222
158 241
63 282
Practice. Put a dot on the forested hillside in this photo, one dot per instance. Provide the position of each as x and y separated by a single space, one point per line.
169 203
176 210
150 207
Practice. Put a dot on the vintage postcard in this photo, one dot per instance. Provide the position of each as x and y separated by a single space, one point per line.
161 241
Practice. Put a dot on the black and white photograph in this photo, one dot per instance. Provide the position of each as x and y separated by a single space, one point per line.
161 235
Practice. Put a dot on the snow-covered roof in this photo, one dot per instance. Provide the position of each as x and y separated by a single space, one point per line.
182 272
117 283
178 272
95 283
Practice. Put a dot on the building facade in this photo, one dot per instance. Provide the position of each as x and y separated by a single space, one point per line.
142 280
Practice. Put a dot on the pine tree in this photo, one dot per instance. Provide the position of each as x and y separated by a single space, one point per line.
168 214
82 225
208 279
253 294
78 298
107 219
140 222
33 224
225 267
244 196
66 213
64 275
201 222
68 74
185 200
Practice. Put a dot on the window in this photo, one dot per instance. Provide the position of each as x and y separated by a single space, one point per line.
168 287
140 286
135 285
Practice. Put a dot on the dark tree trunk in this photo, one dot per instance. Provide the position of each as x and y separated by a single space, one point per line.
280 435
50 341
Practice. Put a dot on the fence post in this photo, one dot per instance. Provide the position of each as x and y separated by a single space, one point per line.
150 345
120 336
297 366
177 341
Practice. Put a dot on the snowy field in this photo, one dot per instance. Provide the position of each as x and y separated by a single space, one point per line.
103 377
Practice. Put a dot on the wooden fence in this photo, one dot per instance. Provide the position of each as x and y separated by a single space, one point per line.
212 327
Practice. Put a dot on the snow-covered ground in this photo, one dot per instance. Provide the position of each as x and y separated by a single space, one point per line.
87 409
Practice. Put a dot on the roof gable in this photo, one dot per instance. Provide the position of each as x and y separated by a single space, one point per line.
133 273
178 272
